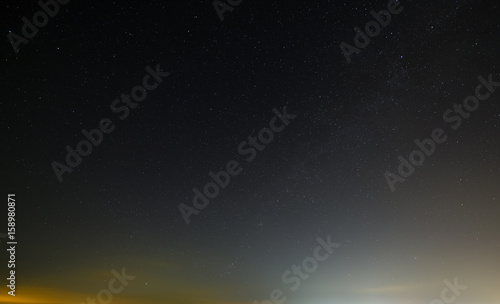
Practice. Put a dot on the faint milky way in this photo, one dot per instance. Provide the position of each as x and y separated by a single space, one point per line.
323 175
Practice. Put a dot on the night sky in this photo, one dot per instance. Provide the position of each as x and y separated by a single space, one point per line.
320 173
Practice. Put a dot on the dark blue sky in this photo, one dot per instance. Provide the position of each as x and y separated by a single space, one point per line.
322 175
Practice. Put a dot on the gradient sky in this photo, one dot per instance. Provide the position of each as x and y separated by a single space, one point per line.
323 175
